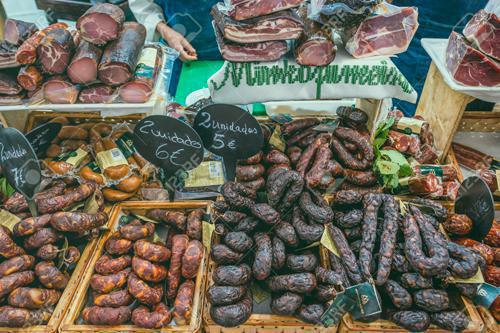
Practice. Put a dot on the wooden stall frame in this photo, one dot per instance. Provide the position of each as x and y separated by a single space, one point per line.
264 323
69 325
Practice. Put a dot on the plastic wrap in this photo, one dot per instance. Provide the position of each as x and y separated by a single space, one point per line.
342 14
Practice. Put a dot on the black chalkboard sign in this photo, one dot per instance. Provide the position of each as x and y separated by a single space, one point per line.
19 163
169 144
476 201
230 132
41 137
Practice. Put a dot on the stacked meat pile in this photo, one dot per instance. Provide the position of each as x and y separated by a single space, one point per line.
256 30
260 245
134 270
406 256
94 64
473 59
39 254
98 153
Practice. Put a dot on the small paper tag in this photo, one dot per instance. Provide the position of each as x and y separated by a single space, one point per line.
326 241
76 157
277 141
367 300
431 168
110 158
410 125
339 307
327 126
497 192
207 233
486 295
126 144
91 205
281 118
210 173
477 278
259 295
8 219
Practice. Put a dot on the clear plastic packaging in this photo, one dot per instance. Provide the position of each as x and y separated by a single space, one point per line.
341 14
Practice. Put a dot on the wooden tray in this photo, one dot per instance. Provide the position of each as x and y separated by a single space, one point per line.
490 323
36 118
264 323
66 297
480 122
76 306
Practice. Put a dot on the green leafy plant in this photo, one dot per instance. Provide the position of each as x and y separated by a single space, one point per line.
5 188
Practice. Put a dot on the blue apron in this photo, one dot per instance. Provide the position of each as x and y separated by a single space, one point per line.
436 19
192 19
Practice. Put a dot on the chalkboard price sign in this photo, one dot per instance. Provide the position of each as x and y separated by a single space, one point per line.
169 144
230 132
19 163
41 137
476 201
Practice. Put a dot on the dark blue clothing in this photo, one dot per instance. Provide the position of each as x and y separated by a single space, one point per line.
437 19
192 19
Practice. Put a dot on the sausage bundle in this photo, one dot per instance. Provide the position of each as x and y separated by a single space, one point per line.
39 254
141 280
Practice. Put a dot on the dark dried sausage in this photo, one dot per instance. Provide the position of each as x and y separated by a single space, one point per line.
232 275
431 300
413 321
307 232
349 219
225 295
172 218
194 224
327 276
42 237
286 304
248 224
252 159
301 262
371 205
15 280
388 239
301 283
265 213
279 253
238 241
283 189
223 255
77 221
364 147
463 263
275 156
399 296
311 313
238 196
454 321
360 178
234 314
255 185
415 281
315 207
298 125
287 234
248 173
262 264
347 197
346 255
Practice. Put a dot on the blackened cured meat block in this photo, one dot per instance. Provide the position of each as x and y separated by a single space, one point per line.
483 31
8 84
265 51
282 25
245 9
384 34
120 56
55 51
469 66
83 67
101 23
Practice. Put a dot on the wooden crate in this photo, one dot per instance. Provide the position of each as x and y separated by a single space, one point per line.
36 118
480 122
69 322
490 323
264 323
67 295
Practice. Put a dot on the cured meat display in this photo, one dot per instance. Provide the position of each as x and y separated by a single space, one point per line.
101 23
8 84
483 31
245 9
83 66
264 51
103 54
38 255
384 34
120 56
469 66
282 25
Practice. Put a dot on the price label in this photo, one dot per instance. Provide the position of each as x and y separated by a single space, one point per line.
19 162
476 201
169 144
230 132
41 137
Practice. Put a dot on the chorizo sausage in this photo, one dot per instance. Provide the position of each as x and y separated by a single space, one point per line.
59 203
16 264
96 315
143 292
255 159
155 252
41 237
256 184
107 265
135 230
18 317
360 178
113 195
118 246
15 280
194 224
191 260
104 284
8 248
179 246
172 218
248 173
298 125
78 222
148 271
158 317
275 156
458 224
114 299
183 304
31 225
50 276
33 298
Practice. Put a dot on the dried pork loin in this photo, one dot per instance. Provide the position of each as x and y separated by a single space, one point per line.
483 31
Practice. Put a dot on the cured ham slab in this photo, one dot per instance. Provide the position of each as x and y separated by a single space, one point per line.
99 93
58 90
55 51
16 31
245 9
101 23
29 78
83 66
26 54
483 31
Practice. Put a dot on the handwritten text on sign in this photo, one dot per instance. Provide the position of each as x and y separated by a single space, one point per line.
13 153
168 143
41 137
229 131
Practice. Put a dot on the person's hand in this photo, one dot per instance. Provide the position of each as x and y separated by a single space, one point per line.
176 41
